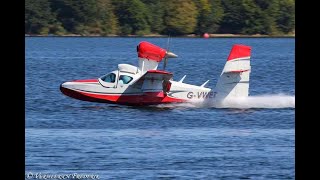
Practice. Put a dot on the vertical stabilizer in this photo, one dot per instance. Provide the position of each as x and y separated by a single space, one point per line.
234 79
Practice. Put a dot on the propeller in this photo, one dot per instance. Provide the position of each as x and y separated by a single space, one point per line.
166 57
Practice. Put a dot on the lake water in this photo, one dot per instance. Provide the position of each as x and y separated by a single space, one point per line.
254 140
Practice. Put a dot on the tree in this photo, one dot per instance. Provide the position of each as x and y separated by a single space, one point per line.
270 10
286 18
253 18
174 17
232 21
38 16
243 17
180 17
156 10
133 16
279 15
75 15
210 13
105 14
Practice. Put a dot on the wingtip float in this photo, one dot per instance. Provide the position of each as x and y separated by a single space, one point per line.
146 85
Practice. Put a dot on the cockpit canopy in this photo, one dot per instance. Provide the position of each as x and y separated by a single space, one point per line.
124 75
128 68
112 78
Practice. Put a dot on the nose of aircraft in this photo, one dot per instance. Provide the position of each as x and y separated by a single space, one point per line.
65 88
65 85
71 88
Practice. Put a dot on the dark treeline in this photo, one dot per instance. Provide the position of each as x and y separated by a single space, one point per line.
175 17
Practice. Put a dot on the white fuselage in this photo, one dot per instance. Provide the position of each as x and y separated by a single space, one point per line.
146 84
178 90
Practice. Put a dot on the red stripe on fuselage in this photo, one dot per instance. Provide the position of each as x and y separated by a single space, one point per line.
86 80
118 98
154 94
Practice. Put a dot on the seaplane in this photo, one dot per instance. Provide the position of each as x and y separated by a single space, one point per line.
145 84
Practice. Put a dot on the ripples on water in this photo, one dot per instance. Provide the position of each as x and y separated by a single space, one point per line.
251 138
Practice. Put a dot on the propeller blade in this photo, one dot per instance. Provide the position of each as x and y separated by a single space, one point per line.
165 63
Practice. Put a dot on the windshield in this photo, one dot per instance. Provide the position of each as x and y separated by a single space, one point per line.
125 79
110 78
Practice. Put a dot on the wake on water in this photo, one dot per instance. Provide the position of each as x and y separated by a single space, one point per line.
261 101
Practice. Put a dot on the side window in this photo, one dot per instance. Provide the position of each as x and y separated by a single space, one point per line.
125 79
110 78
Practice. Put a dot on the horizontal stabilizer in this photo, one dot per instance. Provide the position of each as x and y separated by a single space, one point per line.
182 78
204 83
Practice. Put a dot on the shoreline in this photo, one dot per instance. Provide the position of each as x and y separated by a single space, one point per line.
165 36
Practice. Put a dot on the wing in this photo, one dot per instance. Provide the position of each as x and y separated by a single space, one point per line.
154 83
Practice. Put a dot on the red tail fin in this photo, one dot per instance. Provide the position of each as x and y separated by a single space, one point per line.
239 51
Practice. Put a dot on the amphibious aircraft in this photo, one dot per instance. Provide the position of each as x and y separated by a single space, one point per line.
145 84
